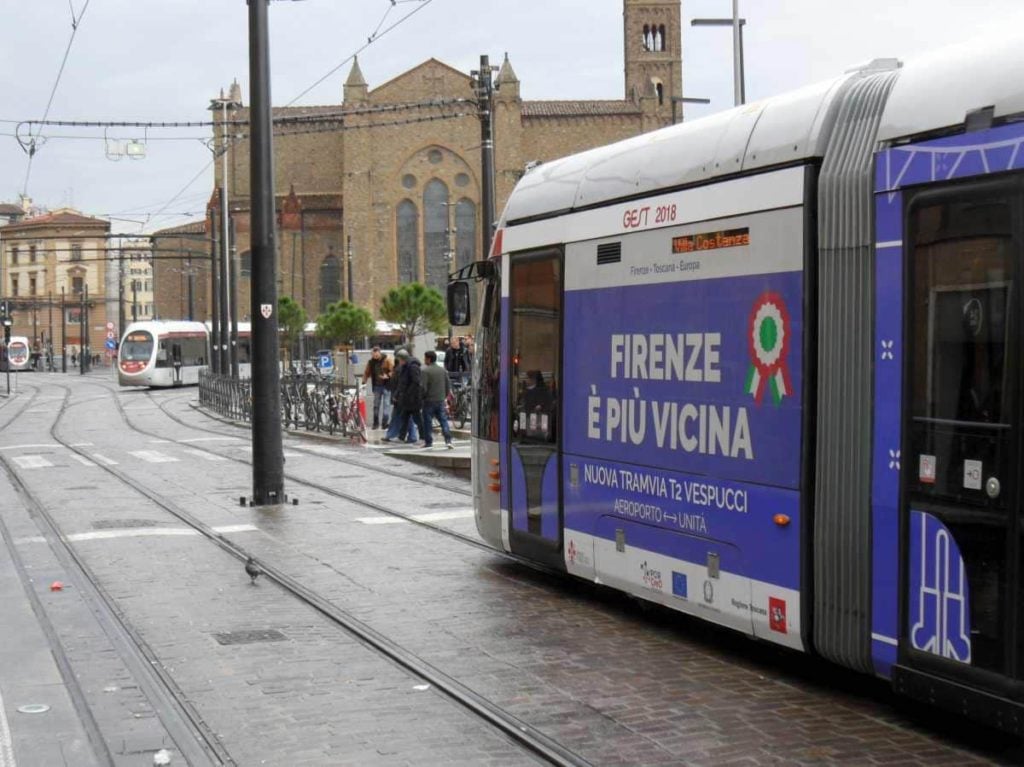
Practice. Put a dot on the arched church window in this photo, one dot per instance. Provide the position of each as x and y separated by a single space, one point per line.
407 226
465 233
330 281
245 264
661 93
659 39
646 40
435 233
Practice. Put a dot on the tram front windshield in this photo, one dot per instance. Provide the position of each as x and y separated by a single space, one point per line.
137 346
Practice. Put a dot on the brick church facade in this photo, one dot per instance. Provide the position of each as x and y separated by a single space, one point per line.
375 192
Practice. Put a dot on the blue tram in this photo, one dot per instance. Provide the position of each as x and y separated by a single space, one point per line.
765 368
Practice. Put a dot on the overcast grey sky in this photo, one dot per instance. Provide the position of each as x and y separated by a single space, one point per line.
150 60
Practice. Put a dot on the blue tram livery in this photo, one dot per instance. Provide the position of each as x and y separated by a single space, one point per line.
764 368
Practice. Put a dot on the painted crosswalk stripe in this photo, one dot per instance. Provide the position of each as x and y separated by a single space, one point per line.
204 455
104 459
82 459
212 439
6 744
152 456
435 516
32 462
139 532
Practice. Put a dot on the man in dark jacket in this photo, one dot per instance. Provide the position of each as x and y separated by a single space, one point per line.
408 397
436 388
456 361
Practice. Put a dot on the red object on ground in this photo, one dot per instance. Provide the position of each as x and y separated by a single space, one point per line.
56 586
362 409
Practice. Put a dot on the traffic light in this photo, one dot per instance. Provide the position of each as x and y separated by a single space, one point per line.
7 322
4 308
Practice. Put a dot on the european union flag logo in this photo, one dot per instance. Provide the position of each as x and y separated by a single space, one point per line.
679 584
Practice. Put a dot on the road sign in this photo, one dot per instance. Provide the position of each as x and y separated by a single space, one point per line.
110 327
326 361
110 343
110 334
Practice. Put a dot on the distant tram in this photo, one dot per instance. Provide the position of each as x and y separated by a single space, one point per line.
765 368
159 353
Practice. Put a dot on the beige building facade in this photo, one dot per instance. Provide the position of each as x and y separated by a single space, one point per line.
49 265
384 187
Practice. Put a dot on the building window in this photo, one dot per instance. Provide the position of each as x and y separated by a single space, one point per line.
77 286
76 252
32 254
465 233
435 233
654 37
435 156
408 181
660 90
14 255
32 285
407 224
245 264
330 281
14 285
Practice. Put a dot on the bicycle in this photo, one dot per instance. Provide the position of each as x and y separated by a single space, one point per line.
348 415
460 402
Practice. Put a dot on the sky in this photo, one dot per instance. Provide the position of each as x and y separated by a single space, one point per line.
145 60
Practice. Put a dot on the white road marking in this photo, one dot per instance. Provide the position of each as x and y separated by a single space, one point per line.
435 516
25 447
32 461
204 455
80 444
139 532
160 442
152 456
6 747
104 459
82 459
211 439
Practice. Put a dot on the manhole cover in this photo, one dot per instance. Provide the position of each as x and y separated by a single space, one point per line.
120 524
250 637
33 708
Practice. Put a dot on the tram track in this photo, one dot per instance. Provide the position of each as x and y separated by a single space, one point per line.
181 714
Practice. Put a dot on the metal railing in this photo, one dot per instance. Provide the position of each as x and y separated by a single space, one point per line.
308 401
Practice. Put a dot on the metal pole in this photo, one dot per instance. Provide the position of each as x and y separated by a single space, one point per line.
49 301
348 258
82 298
135 299
63 333
233 299
267 452
486 103
737 56
225 329
743 77
120 290
214 294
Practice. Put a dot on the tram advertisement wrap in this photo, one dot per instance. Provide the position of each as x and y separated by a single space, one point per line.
702 377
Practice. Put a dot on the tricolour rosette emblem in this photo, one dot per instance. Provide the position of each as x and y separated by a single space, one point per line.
769 333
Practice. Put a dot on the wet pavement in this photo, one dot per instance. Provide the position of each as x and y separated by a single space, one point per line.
614 681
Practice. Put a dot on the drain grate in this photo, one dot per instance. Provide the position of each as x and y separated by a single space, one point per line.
121 524
250 637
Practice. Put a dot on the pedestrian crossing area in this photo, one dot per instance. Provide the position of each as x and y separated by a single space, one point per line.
56 456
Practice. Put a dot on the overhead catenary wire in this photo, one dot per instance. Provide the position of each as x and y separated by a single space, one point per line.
75 22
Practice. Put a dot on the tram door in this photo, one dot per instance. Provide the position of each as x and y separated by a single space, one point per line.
534 464
962 616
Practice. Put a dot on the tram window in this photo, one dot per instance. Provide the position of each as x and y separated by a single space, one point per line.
536 333
137 346
488 357
963 273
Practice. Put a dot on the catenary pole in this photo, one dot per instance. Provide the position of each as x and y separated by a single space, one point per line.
485 96
267 453
225 329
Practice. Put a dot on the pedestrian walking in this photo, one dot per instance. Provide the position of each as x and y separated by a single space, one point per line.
456 360
378 374
436 387
74 358
405 418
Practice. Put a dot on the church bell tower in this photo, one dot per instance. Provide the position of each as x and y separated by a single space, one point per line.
653 56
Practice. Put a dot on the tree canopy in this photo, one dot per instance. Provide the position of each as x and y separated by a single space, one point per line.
415 308
291 319
344 322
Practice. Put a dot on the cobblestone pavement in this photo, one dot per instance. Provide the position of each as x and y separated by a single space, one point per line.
617 682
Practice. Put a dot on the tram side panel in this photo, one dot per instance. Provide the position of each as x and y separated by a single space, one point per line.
684 381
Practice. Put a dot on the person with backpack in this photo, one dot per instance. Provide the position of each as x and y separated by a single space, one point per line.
408 398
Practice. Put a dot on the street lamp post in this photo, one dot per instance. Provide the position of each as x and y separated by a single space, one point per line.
348 258
685 100
737 24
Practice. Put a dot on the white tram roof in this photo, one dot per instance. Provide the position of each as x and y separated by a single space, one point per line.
938 90
785 128
931 93
167 326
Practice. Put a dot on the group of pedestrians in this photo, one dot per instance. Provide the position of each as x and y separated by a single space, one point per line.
417 392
